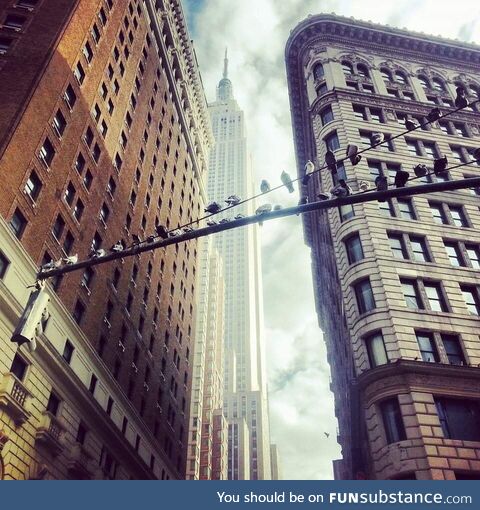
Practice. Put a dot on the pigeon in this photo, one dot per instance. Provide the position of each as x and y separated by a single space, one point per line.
401 178
341 190
363 186
213 208
98 253
161 231
461 99
232 200
211 223
72 259
309 169
265 208
352 154
377 138
287 181
118 246
150 239
331 161
224 220
410 124
136 239
434 114
264 186
53 264
327 434
187 229
324 196
440 165
381 182
175 233
239 216
420 170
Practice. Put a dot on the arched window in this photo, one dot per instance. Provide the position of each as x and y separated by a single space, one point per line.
318 72
362 70
438 85
347 68
386 75
400 77
424 81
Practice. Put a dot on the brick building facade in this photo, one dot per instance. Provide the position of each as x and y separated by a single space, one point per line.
396 282
104 135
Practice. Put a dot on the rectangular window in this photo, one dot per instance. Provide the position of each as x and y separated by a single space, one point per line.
332 142
397 245
53 404
33 186
58 226
81 434
405 206
354 248
438 213
458 216
19 367
435 297
387 208
18 223
78 312
473 253
413 147
392 420
430 150
68 351
326 115
87 52
364 295
59 123
376 115
453 349
346 212
360 112
470 296
460 419
4 263
454 254
4 45
419 248
47 152
428 348
377 353
411 294
79 73
70 97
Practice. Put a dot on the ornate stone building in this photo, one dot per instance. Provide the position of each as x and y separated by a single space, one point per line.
397 282
104 135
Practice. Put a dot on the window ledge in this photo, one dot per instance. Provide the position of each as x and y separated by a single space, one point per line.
14 397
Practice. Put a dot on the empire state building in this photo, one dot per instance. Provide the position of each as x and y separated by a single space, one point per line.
245 394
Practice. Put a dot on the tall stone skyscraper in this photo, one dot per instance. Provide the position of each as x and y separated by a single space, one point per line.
396 282
245 396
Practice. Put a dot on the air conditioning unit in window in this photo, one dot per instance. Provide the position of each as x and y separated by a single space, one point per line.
121 346
145 385
107 322
162 376
159 407
132 281
134 367
154 324
144 305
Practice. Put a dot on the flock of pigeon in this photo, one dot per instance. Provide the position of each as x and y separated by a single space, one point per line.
341 189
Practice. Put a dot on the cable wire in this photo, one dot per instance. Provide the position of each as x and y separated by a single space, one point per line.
318 170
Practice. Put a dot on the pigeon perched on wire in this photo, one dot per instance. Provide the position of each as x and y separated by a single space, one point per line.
136 239
263 209
352 154
331 161
53 264
239 216
410 124
118 246
224 220
213 208
96 254
309 169
287 181
72 259
232 200
264 186
175 233
161 231
211 223
461 99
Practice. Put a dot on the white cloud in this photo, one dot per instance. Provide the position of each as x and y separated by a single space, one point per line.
255 32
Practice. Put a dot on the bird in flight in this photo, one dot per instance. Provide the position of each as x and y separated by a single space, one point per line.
327 434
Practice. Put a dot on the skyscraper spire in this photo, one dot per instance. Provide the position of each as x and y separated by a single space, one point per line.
225 65
224 88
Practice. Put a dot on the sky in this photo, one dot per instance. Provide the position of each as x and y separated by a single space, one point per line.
255 31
